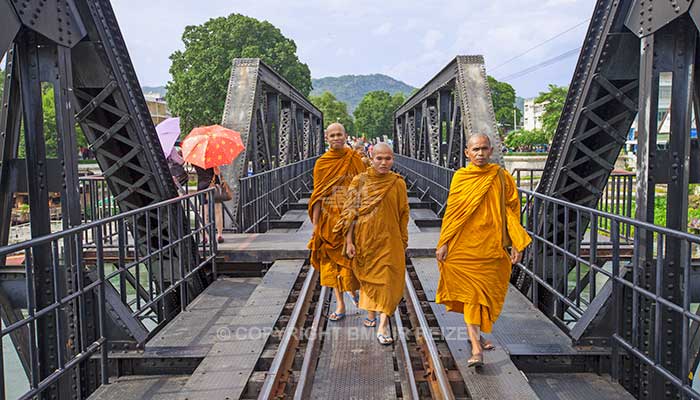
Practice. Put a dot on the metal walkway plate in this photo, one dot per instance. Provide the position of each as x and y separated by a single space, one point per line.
214 308
270 247
151 387
353 365
225 370
582 386
499 378
521 329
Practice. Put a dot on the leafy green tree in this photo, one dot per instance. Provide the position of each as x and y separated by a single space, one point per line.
553 101
523 140
334 110
200 73
48 105
503 97
374 116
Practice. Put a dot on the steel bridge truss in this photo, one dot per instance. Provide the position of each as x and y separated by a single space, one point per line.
435 123
629 46
278 125
75 47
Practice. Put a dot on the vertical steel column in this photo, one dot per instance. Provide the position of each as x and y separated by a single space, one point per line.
646 153
273 126
299 137
10 116
444 109
30 84
684 38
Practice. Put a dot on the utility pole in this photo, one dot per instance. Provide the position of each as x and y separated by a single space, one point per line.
515 119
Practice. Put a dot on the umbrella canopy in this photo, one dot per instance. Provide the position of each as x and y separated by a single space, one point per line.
212 146
168 132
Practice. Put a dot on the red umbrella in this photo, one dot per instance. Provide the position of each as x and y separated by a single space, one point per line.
212 146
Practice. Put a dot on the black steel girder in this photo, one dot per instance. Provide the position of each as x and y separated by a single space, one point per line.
455 104
277 123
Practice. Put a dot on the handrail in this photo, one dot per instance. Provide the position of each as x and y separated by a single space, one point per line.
169 254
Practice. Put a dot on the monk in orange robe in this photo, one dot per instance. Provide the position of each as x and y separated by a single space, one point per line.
360 149
333 173
375 224
474 266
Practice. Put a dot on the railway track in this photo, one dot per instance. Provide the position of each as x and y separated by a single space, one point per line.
423 367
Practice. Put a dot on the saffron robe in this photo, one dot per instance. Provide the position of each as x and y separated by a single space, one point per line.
333 173
474 277
378 204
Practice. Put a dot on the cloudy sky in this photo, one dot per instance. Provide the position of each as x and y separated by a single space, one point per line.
409 40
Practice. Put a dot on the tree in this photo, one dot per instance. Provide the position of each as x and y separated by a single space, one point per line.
48 104
374 116
553 101
334 110
523 140
200 73
503 98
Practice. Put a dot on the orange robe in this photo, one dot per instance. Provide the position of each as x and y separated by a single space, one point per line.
366 161
474 277
333 173
378 204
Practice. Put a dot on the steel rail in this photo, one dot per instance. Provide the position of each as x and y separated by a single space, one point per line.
403 345
313 347
285 354
438 371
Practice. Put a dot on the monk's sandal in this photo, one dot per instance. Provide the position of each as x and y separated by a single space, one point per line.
384 340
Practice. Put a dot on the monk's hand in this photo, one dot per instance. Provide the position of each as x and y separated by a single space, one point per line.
515 255
441 253
349 249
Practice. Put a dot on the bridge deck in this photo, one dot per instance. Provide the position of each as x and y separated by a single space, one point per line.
353 365
351 362
522 331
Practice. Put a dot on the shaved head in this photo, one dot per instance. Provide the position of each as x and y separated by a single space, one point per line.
336 136
382 158
479 136
335 126
479 149
381 146
359 146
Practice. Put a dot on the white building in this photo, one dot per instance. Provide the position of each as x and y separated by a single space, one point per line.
532 114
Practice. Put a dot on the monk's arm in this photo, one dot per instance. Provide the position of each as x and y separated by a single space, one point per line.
517 233
404 212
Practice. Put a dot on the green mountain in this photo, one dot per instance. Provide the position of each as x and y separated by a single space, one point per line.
158 90
352 88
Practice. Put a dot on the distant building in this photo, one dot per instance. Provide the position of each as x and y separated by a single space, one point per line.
532 114
157 107
663 116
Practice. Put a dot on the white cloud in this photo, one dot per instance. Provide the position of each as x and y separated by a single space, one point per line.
410 40
383 29
431 38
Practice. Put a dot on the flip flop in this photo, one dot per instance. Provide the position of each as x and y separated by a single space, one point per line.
484 344
370 323
384 340
336 316
476 361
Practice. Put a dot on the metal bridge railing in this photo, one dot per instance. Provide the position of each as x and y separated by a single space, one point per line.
618 195
584 271
432 182
633 281
267 196
158 255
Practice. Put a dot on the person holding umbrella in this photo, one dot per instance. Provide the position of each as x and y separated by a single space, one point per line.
207 148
